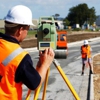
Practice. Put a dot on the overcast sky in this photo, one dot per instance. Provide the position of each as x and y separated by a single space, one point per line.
47 7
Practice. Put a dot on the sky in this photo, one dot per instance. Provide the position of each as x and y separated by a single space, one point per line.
41 8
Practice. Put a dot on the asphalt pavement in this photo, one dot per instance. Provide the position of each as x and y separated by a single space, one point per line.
58 90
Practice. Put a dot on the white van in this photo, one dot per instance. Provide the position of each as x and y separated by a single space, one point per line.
59 24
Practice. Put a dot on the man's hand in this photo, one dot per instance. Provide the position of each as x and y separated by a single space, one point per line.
46 57
44 62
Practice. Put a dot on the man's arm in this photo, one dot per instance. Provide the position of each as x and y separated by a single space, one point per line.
27 74
30 76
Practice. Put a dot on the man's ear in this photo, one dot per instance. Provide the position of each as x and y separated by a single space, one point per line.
19 32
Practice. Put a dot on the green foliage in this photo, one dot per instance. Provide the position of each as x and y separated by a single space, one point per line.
97 29
32 32
66 22
56 16
2 31
80 14
76 29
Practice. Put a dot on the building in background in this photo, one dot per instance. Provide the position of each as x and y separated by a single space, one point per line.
58 23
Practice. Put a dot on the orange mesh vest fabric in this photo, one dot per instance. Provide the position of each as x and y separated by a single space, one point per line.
86 51
9 89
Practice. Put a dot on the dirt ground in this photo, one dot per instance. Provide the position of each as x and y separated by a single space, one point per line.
72 37
96 76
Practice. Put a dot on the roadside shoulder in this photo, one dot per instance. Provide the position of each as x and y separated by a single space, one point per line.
96 76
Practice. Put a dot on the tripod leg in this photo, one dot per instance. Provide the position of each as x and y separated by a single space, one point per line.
44 91
45 85
37 93
66 79
28 95
38 89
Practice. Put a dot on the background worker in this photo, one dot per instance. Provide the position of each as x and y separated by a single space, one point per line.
65 37
16 66
86 56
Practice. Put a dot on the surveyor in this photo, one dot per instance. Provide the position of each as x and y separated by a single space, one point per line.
16 66
86 51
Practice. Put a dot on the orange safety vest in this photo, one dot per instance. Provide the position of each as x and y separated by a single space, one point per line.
11 55
86 51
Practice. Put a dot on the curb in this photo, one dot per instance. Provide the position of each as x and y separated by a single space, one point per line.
91 83
93 39
91 88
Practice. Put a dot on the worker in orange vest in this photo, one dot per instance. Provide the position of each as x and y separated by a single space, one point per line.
16 66
86 56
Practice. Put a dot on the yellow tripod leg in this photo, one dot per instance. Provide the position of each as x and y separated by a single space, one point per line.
66 79
38 89
28 95
44 91
36 93
45 85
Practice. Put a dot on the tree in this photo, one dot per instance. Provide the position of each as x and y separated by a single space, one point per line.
80 14
56 16
66 22
92 16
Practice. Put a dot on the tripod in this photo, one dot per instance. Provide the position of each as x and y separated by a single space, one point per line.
57 65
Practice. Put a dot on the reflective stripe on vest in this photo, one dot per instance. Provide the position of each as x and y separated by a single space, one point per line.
12 56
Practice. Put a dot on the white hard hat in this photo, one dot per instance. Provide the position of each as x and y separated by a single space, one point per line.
86 42
19 14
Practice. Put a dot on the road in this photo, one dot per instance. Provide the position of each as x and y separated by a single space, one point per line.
57 89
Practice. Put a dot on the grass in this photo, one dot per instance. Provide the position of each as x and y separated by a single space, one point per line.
30 32
2 31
